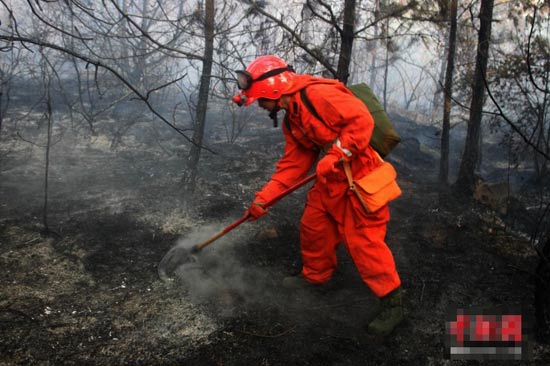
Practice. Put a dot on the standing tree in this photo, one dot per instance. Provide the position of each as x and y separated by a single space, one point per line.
466 175
520 92
444 160
47 70
339 18
347 35
8 68
190 175
373 46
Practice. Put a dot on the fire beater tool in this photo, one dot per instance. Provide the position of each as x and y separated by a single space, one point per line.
178 255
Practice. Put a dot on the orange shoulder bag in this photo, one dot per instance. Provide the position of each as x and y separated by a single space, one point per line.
375 189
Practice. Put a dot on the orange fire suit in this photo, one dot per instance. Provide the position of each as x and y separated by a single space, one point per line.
332 212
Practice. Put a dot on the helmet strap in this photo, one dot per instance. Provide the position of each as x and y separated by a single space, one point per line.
273 116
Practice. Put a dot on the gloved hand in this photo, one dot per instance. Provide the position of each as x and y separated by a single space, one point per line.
330 165
256 210
327 167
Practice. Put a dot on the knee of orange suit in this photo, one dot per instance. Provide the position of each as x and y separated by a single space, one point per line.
319 238
373 258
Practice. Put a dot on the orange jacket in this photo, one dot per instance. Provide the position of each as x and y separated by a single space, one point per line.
344 117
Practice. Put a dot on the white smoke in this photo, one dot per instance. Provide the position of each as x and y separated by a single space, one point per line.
215 275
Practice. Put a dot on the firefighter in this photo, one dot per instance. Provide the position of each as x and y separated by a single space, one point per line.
332 213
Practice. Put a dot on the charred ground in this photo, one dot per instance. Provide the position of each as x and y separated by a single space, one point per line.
91 294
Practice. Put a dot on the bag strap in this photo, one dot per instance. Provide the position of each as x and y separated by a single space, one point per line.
347 169
307 102
311 108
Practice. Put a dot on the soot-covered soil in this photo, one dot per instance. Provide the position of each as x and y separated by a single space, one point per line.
91 293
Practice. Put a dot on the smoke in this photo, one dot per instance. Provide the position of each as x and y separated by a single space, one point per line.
216 276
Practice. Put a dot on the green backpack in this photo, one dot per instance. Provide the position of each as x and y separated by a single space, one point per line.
384 137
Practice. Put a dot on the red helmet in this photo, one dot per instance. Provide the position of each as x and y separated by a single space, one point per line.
265 77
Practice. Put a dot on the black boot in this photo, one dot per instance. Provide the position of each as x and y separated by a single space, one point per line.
390 316
299 283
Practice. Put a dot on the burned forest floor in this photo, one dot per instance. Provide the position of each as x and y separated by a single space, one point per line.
88 291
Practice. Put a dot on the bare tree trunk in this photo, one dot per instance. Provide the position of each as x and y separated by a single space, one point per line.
542 284
48 148
1 111
4 88
347 37
542 294
374 47
466 175
444 162
190 175
1 115
442 72
542 141
386 65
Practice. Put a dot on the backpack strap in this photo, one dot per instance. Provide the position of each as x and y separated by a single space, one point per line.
311 108
287 124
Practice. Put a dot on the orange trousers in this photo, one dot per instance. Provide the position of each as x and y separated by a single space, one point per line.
334 216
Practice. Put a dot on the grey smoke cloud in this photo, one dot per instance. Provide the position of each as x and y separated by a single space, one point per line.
228 285
217 276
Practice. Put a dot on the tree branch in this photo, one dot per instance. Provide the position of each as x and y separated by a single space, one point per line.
99 64
154 41
510 122
299 42
332 21
53 26
531 77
